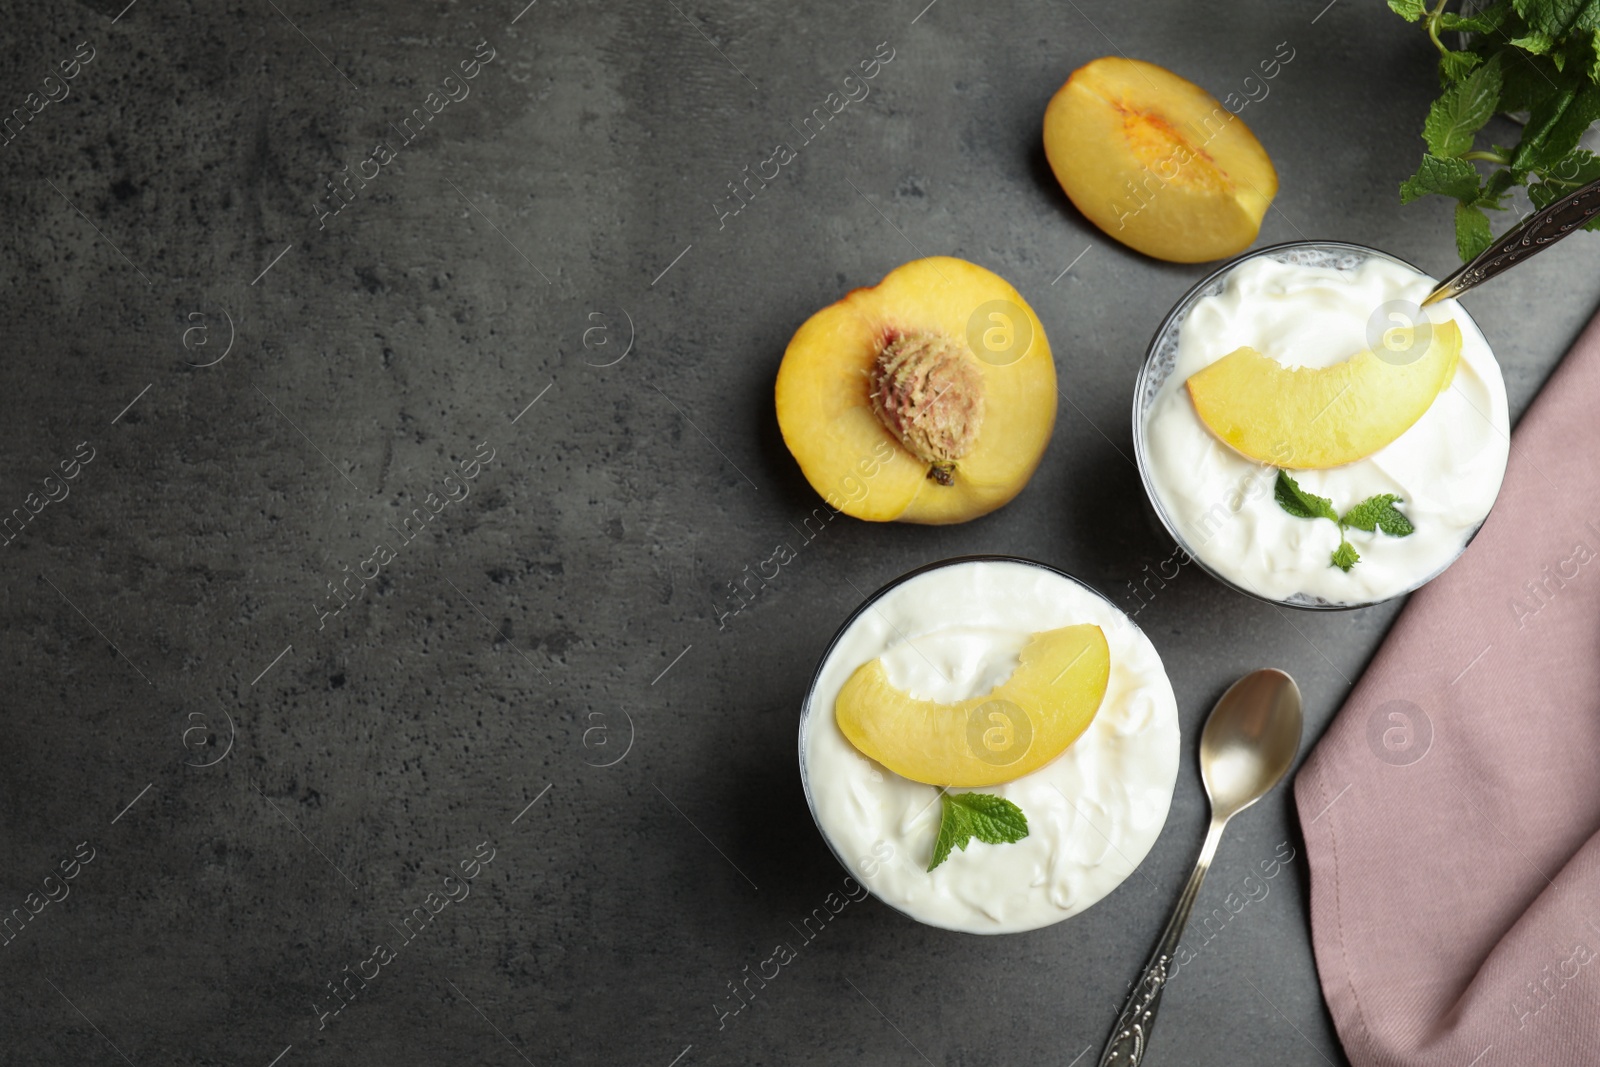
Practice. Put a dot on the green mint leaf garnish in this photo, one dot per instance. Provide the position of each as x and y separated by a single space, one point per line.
1299 503
1374 513
1345 556
1378 513
963 816
1410 10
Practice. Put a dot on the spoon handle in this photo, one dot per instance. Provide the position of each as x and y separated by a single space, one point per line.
1131 1036
1534 234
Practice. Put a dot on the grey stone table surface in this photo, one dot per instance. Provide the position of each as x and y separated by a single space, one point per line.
254 791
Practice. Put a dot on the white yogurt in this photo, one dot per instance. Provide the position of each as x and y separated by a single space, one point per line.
1446 468
1093 812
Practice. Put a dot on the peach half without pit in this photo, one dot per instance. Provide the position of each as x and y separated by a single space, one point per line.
929 397
1156 162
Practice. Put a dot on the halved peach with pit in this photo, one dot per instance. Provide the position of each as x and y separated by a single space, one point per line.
1156 162
927 398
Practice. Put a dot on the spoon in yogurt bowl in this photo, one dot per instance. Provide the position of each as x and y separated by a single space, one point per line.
1249 741
1532 235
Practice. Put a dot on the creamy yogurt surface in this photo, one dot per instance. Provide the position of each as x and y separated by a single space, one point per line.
1093 813
1446 468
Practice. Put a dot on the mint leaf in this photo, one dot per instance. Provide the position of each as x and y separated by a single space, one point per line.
1556 126
1559 17
1494 190
1364 516
1528 80
1299 503
1345 556
1486 21
1378 513
1456 117
1453 66
1447 177
1537 43
1395 524
1410 10
1472 231
963 816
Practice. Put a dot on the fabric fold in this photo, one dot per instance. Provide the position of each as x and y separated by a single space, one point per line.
1452 811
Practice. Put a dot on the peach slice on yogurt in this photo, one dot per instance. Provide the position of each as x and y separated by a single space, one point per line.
1012 730
1313 418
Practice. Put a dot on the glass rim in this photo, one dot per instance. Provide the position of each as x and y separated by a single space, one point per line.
1182 307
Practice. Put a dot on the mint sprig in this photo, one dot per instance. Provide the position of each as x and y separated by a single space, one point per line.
1538 56
963 816
1372 514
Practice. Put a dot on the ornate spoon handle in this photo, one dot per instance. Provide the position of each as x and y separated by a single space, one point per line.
1534 234
1131 1036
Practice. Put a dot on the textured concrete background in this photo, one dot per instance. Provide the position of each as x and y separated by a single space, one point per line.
267 793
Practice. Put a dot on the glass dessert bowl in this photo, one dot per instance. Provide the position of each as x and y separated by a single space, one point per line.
1310 435
998 688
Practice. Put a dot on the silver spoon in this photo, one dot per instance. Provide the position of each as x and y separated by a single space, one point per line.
1530 236
1247 745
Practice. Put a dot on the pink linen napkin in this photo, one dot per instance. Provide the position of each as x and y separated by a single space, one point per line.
1452 811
